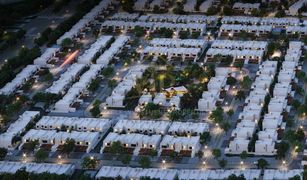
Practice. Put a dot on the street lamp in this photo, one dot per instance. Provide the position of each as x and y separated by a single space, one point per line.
59 159
204 164
163 164
242 164
284 164
24 157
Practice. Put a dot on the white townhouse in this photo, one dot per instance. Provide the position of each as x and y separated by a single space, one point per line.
115 48
272 120
49 54
95 48
86 21
66 104
128 82
16 128
294 8
36 168
245 8
51 140
271 174
265 147
74 123
135 173
188 128
141 126
185 146
60 86
134 143
237 146
22 77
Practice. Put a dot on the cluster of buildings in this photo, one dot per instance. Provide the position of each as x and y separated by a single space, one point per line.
245 8
86 21
185 49
73 98
25 75
52 133
277 106
272 21
295 7
153 26
96 48
169 98
63 83
247 51
146 5
216 85
114 49
251 114
233 26
74 95
154 173
170 18
17 128
116 99
142 137
235 30
47 56
36 168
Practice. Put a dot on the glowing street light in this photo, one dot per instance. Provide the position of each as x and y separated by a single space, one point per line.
242 164
163 164
204 164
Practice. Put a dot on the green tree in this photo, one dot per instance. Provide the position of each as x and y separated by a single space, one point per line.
223 163
216 153
234 177
89 163
282 149
227 11
125 158
184 34
116 148
217 116
175 115
246 82
230 112
200 154
240 95
41 155
262 163
95 111
67 42
94 85
127 5
144 162
3 153
205 137
296 104
112 83
225 126
231 81
68 146
243 155
107 72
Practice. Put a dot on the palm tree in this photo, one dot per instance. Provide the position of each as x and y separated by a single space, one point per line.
240 95
246 82
262 163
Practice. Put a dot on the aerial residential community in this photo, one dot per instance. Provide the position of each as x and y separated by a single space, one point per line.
153 89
